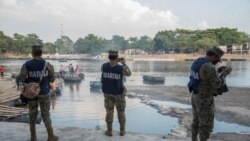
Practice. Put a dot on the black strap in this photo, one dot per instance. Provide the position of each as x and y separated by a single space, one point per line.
43 72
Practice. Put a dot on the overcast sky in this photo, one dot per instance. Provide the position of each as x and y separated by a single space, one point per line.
119 17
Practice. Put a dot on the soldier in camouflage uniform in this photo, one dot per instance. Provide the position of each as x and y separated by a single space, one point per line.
204 84
30 72
114 90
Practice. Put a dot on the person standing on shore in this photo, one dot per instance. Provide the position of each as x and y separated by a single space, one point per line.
204 84
2 70
114 90
30 73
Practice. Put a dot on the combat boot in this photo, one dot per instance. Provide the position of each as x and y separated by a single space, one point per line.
109 130
33 136
122 129
194 139
51 136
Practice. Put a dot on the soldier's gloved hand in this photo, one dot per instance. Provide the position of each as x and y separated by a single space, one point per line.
226 71
221 69
123 61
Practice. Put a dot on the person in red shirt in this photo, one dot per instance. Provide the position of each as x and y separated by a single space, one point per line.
2 71
77 70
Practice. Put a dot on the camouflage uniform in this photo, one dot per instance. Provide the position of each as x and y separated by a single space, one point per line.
119 101
43 100
203 101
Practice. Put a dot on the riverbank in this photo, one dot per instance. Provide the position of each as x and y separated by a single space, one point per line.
158 57
232 107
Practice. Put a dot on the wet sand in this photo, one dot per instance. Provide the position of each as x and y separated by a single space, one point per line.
6 85
233 106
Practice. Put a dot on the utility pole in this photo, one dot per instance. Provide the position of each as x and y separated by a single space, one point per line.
61 30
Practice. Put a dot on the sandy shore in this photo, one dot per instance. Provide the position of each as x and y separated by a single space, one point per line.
6 85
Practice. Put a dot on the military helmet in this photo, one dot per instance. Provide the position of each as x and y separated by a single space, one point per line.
36 46
37 50
218 52
113 52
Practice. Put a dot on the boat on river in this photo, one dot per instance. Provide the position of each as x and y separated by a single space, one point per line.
153 79
95 85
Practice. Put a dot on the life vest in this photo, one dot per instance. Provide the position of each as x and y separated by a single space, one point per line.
112 79
194 78
35 68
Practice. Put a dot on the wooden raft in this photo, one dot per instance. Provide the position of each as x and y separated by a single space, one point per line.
10 112
9 97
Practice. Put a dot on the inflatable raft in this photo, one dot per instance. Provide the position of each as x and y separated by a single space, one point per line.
153 79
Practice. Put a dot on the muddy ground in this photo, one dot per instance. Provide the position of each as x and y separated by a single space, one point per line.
233 106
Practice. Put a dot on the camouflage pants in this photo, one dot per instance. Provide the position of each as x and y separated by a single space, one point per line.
203 115
110 102
44 102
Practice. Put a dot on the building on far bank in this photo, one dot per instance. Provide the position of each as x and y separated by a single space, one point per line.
236 49
134 52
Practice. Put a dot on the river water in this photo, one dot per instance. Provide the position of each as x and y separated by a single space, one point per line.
79 107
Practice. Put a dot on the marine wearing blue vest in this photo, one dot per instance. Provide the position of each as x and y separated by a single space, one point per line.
194 74
31 72
194 78
112 79
114 90
34 69
205 82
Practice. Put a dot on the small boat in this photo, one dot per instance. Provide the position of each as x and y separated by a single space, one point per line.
153 79
95 85
72 79
81 75
63 60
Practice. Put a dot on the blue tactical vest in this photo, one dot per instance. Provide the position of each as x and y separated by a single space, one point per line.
194 74
34 69
112 79
195 78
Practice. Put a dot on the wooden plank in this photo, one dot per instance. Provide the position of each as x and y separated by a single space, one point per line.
9 96
7 99
18 109
9 116
10 107
16 112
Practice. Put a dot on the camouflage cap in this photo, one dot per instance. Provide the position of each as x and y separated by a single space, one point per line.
36 46
37 50
113 52
218 52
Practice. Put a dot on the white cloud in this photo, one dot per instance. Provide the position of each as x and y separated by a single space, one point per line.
203 25
81 17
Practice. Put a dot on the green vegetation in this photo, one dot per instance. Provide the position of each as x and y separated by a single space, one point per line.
179 40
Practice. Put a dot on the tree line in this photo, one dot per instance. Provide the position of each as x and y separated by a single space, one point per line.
178 41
